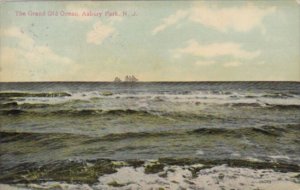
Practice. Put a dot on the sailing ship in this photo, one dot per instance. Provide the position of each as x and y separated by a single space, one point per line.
127 78
117 79
131 78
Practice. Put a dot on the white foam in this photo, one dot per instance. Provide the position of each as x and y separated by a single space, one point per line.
10 187
279 157
179 177
214 178
199 152
147 99
235 154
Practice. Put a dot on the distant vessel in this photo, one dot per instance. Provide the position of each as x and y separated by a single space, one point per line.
127 78
117 79
131 78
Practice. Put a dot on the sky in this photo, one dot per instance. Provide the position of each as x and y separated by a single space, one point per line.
153 40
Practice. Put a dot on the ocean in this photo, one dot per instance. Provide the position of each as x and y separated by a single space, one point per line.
83 135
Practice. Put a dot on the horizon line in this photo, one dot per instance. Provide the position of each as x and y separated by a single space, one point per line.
151 81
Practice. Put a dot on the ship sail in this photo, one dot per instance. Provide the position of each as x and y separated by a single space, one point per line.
131 78
117 79
127 79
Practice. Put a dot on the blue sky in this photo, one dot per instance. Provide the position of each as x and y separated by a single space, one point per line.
156 41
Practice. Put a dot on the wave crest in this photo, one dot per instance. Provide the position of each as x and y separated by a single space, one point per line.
34 94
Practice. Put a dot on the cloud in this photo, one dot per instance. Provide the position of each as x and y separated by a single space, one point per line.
205 63
24 40
232 64
209 53
169 21
29 61
211 62
215 50
99 32
241 19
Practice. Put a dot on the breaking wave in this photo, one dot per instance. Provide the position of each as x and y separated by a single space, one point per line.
88 171
34 94
265 130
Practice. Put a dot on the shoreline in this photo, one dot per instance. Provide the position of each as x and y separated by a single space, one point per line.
89 171
153 174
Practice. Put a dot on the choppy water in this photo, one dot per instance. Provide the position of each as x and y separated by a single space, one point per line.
63 122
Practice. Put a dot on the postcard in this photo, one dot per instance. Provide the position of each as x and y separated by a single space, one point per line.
150 95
